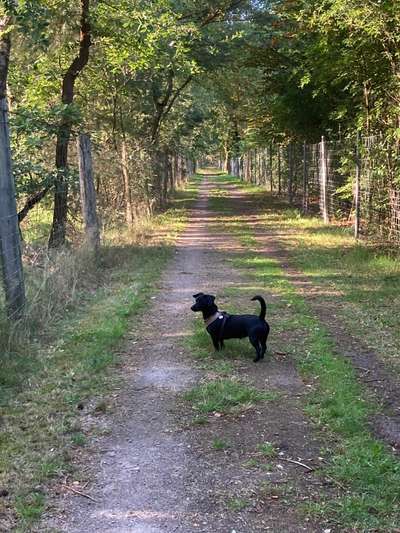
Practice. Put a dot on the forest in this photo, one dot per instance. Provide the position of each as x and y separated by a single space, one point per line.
136 138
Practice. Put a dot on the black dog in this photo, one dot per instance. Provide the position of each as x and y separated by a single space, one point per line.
223 326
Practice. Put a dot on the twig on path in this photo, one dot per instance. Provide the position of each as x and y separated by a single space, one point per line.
81 493
335 482
366 370
298 463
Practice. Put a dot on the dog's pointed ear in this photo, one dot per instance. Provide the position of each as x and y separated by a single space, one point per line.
197 295
212 297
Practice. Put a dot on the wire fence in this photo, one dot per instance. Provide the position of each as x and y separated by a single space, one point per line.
352 181
349 181
135 186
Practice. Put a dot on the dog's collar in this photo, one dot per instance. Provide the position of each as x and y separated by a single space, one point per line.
212 318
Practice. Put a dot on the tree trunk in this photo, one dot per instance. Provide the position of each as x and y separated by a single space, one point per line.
171 173
157 176
126 181
324 181
165 178
58 230
226 160
10 250
88 193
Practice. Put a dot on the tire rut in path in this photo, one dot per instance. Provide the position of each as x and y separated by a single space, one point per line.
156 471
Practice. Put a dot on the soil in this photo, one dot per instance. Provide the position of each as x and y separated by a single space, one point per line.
152 468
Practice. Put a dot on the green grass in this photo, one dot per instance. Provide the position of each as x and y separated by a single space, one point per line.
220 444
36 226
362 278
50 374
31 507
337 401
237 504
267 449
225 396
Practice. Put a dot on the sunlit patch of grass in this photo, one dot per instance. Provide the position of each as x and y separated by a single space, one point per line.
225 396
35 228
210 171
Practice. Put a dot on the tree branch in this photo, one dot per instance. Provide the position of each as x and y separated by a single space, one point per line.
31 202
81 59
207 16
177 94
160 106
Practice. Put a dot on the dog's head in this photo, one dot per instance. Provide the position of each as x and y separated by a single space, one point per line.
204 302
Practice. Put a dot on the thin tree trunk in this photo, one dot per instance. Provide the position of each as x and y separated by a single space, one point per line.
58 230
226 161
171 173
88 193
126 181
165 177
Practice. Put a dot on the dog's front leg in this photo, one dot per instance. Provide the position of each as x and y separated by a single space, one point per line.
216 343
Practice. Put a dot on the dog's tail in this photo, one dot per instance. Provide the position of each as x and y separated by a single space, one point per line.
263 306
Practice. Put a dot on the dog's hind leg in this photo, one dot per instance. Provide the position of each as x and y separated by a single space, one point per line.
257 345
263 348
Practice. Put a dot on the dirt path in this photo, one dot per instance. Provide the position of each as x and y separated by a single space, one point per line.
157 471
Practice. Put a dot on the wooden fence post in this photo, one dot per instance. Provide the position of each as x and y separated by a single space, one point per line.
262 166
271 177
290 174
324 181
88 192
357 189
305 179
279 171
10 246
